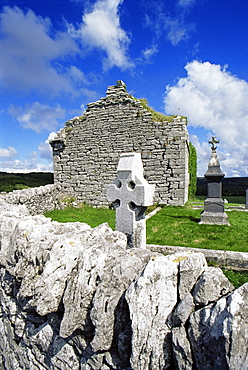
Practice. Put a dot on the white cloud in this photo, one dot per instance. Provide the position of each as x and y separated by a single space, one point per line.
37 161
213 98
101 29
25 166
176 30
45 148
9 152
32 51
149 52
203 154
169 22
186 3
38 117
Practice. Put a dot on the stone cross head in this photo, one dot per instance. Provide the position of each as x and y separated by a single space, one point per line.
213 143
131 195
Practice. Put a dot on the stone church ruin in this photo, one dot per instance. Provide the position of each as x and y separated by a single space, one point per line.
86 151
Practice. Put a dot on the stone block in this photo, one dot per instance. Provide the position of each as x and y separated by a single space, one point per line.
211 286
218 333
214 218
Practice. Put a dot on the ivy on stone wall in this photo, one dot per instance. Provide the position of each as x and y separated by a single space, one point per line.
192 170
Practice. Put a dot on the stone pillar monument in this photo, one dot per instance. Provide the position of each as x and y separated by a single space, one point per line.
213 213
131 195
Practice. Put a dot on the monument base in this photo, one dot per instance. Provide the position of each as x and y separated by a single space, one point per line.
214 218
214 205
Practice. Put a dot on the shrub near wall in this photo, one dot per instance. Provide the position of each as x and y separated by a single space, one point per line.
192 170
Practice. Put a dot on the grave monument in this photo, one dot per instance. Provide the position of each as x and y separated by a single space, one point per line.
213 213
131 195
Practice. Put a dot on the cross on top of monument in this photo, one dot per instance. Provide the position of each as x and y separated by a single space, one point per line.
131 194
213 143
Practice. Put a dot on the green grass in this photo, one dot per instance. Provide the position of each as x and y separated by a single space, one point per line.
91 216
237 199
19 181
179 226
156 116
236 278
176 226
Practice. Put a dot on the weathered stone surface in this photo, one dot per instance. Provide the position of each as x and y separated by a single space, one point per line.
101 276
219 333
131 194
237 260
87 149
73 297
213 218
149 312
65 277
191 267
15 209
151 300
183 310
181 349
211 286
42 253
37 200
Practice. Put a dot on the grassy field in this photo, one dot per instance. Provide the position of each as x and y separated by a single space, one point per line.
19 181
91 216
179 226
172 226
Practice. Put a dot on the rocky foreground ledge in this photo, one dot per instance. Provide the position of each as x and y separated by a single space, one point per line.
73 297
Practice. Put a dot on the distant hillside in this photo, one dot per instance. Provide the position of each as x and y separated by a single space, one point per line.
17 181
230 186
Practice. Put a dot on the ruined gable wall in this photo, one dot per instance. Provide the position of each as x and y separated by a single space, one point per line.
113 125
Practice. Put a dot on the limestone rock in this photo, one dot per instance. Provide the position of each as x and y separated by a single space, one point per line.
183 310
102 274
35 200
211 286
14 209
115 277
73 297
151 298
219 333
181 349
191 267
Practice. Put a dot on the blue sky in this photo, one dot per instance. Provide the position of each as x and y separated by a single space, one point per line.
187 57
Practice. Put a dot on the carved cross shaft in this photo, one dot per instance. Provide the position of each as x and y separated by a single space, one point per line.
131 194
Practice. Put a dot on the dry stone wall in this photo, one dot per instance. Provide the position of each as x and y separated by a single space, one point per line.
37 200
87 150
73 297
